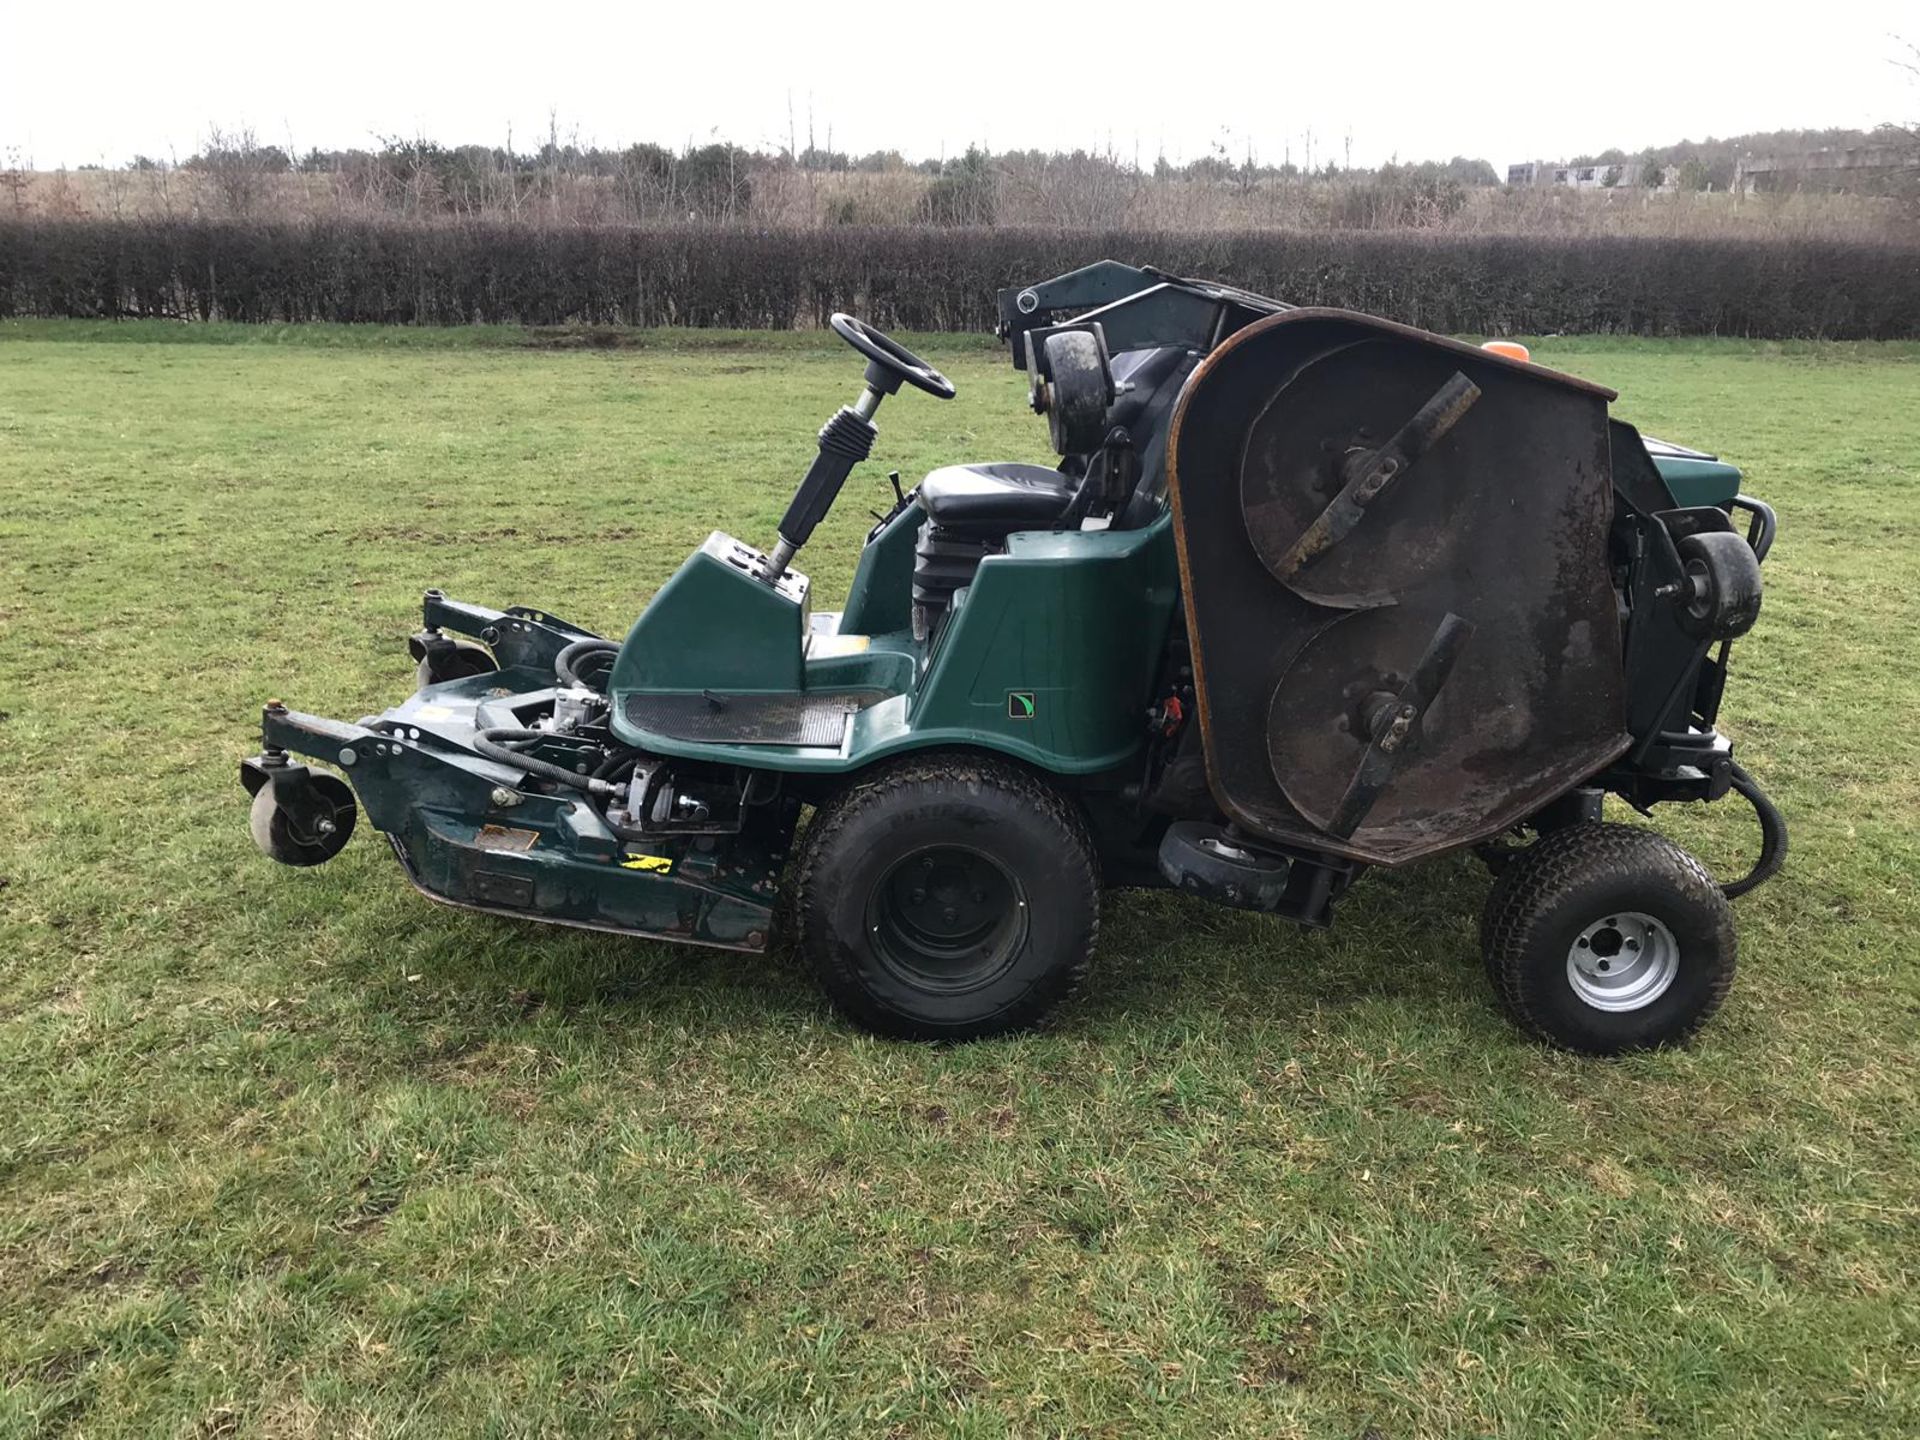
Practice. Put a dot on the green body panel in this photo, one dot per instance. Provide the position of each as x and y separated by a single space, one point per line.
1074 620
546 856
715 626
881 596
1698 482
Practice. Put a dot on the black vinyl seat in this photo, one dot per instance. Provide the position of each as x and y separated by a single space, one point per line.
997 498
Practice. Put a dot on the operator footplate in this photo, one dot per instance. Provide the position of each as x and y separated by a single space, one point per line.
815 720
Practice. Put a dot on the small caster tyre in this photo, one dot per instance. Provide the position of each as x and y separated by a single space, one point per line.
1606 938
1723 579
280 839
455 662
948 899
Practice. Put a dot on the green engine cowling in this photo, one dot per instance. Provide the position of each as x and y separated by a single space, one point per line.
1693 477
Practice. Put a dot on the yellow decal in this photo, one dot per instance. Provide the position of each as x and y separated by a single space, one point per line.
659 864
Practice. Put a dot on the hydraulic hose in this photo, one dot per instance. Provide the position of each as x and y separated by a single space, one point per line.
490 743
1773 835
567 659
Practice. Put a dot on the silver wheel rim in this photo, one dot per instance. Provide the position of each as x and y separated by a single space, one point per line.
1625 960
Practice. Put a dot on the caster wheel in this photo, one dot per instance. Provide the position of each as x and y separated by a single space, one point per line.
948 900
279 838
1723 579
1606 938
453 662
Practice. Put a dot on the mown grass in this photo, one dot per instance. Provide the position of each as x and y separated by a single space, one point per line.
298 1154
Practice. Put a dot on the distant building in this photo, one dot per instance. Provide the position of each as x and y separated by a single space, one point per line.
1857 167
1587 177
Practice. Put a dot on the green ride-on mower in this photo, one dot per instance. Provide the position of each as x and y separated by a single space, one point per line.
1308 592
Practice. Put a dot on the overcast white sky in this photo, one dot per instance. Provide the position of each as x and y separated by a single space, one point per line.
84 82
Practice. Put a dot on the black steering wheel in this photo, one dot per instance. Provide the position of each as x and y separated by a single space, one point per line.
888 361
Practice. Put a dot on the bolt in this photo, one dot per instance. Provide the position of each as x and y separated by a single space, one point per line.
916 897
926 862
347 757
503 797
324 826
950 914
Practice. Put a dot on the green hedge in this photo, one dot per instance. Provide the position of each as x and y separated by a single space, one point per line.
933 278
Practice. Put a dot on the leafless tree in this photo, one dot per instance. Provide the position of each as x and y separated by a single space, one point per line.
238 165
1907 134
16 179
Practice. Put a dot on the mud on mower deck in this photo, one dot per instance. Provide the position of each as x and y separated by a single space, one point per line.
1309 592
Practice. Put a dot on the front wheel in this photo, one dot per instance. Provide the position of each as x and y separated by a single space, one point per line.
320 834
1606 938
948 899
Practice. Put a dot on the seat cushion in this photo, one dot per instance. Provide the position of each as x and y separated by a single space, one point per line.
1003 496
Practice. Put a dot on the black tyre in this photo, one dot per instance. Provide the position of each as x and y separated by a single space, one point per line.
1605 938
948 899
280 838
1723 578
1079 393
454 662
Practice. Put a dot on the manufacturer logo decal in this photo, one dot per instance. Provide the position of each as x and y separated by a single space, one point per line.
656 864
1020 704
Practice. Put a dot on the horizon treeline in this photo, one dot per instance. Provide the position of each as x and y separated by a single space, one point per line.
560 180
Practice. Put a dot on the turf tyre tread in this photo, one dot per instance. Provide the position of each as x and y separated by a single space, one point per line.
899 787
1524 935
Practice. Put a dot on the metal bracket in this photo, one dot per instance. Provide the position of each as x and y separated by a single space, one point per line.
519 636
292 788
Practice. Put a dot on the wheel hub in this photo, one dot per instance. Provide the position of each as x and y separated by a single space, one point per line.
947 917
1623 961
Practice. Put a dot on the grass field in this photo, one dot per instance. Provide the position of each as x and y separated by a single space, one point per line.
296 1153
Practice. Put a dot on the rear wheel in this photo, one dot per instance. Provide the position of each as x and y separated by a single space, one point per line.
948 899
1606 938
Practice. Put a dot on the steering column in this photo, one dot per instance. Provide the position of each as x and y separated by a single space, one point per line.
848 437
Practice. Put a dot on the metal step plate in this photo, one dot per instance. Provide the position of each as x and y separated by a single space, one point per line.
817 720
